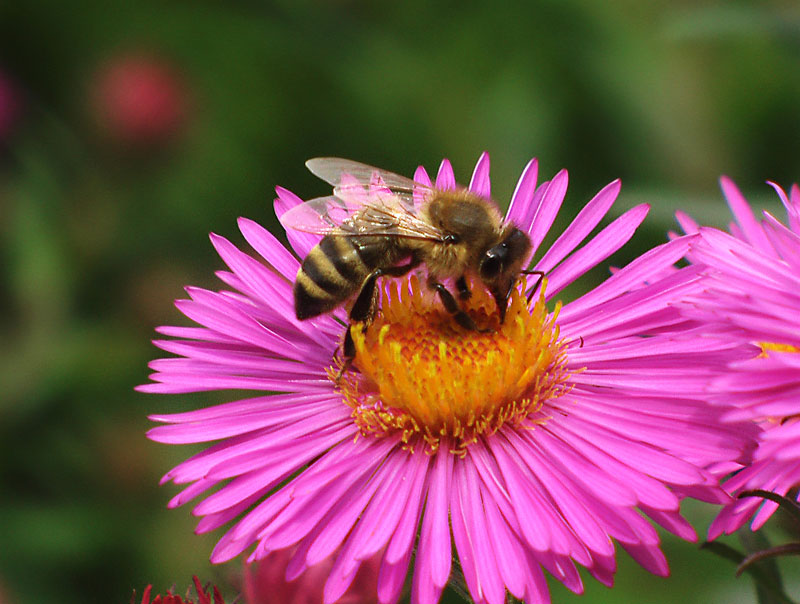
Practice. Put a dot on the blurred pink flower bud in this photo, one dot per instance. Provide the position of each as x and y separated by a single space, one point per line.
265 581
139 100
9 106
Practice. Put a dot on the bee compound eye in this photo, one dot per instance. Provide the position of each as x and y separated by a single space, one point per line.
490 266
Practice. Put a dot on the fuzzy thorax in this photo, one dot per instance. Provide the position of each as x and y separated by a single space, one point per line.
424 376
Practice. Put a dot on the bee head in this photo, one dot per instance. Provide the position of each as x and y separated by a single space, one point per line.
501 263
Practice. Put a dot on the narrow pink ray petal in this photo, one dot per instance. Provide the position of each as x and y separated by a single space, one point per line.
338 583
536 527
523 194
303 514
344 516
674 523
648 491
262 516
600 483
421 176
744 217
297 564
603 570
190 492
214 520
423 589
687 223
490 475
583 224
269 248
649 557
445 179
262 281
402 540
419 195
300 242
305 420
380 521
536 590
501 539
247 405
214 312
195 333
462 538
562 569
792 204
490 578
392 577
633 273
480 183
548 208
434 553
641 456
567 498
600 247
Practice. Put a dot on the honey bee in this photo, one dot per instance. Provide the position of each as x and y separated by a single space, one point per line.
378 223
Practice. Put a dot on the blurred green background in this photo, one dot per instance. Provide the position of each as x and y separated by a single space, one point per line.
129 130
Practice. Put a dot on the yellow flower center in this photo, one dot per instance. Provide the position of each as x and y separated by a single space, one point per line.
423 375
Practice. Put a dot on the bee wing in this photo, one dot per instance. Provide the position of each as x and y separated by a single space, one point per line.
341 173
384 213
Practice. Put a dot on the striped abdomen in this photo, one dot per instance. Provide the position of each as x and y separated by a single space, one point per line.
335 269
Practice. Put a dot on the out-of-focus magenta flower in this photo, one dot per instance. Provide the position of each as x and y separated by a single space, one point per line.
266 582
752 299
10 106
139 100
204 596
531 447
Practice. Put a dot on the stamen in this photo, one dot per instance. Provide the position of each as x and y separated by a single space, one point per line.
423 375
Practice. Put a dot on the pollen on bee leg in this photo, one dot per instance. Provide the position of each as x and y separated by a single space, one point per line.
425 377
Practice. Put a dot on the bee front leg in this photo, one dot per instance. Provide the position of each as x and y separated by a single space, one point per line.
539 277
451 306
463 288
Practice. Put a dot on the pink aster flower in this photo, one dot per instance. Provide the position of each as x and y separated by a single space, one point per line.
535 445
753 297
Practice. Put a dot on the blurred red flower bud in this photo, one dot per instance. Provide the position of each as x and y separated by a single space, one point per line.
139 100
204 596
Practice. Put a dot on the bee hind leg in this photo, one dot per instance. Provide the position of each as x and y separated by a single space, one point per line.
348 353
364 308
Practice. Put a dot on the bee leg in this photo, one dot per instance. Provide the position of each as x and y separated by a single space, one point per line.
348 353
364 307
501 297
540 276
463 288
451 306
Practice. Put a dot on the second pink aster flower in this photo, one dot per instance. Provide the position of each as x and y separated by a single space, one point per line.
532 447
752 299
